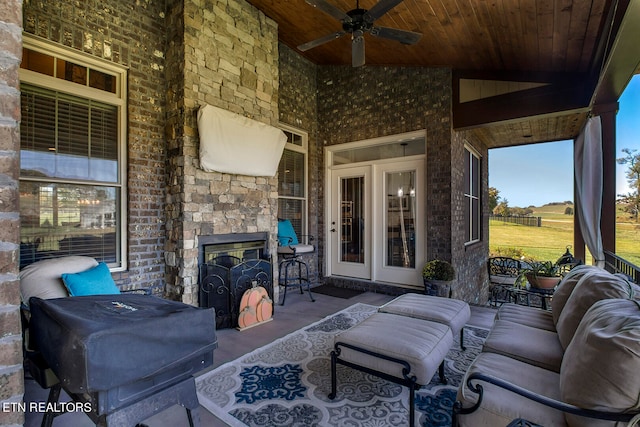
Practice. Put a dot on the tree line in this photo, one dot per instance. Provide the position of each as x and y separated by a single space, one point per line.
631 201
500 206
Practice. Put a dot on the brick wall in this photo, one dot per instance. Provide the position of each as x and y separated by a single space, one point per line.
298 101
369 102
472 284
11 373
223 53
362 103
130 34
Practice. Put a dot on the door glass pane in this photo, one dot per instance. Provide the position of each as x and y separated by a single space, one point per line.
401 219
352 220
401 148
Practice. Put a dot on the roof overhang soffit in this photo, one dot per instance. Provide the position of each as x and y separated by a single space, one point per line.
532 95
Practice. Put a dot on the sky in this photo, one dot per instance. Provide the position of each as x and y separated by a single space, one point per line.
537 174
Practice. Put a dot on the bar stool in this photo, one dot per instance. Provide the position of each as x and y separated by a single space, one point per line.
296 270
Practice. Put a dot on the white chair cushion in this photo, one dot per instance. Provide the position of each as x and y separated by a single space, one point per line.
295 249
43 279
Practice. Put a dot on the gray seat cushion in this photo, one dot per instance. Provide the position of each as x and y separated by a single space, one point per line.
590 289
451 312
567 285
525 315
421 343
499 406
531 345
601 365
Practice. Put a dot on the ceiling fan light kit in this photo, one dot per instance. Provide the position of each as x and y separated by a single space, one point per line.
357 22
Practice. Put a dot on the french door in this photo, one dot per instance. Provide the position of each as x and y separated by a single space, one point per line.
376 229
350 227
399 219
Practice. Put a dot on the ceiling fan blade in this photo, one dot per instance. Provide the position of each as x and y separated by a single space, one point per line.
357 49
330 9
322 40
403 36
380 8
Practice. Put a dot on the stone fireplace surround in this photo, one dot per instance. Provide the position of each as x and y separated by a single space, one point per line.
228 59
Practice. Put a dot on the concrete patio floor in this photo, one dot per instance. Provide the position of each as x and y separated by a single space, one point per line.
298 312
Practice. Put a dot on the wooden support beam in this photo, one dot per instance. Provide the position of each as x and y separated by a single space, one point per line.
563 94
607 115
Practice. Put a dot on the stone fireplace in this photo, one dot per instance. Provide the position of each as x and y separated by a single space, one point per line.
229 59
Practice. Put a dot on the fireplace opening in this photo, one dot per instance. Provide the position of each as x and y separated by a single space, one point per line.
230 264
239 245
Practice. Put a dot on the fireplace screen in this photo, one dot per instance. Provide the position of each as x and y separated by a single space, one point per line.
229 265
223 281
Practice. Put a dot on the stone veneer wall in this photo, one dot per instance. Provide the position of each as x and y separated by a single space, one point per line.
11 372
130 34
369 102
223 53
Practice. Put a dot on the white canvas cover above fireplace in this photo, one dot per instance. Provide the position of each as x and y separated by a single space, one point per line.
231 143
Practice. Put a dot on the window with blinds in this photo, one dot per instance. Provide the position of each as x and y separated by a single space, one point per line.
71 187
292 181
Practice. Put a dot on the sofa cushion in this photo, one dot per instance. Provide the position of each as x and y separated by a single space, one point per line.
43 279
601 365
566 287
499 406
590 289
525 315
525 343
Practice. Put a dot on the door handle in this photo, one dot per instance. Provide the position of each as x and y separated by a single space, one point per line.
333 230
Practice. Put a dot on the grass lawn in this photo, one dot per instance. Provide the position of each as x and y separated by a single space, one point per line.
549 241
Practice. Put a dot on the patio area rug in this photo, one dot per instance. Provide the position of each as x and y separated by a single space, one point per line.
286 383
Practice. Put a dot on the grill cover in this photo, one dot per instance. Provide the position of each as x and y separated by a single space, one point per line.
100 342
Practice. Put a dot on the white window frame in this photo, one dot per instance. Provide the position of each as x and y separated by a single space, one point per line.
469 198
303 149
118 99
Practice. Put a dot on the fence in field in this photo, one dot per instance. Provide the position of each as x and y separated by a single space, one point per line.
531 221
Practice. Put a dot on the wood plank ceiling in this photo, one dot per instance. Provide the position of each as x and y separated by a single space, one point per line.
508 40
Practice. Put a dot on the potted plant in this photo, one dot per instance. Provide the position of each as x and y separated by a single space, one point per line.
437 276
542 274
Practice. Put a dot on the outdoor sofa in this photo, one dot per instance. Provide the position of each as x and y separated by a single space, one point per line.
576 365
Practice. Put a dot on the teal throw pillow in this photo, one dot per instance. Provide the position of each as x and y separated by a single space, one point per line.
286 234
95 281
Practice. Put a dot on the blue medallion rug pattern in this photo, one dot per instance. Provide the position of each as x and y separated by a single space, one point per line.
286 383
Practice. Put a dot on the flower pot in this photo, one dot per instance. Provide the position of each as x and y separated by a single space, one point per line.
542 282
437 288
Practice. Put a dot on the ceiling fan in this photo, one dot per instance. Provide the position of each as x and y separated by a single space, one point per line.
357 22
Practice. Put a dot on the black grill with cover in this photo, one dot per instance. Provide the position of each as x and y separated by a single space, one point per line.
127 356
